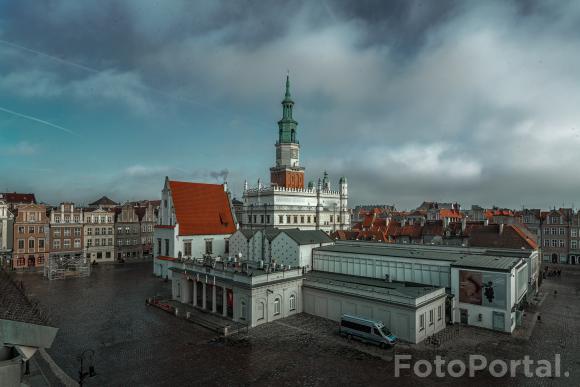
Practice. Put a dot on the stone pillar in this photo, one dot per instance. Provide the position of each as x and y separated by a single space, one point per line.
194 292
225 302
203 302
213 298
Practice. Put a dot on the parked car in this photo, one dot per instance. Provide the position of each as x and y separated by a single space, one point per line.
366 330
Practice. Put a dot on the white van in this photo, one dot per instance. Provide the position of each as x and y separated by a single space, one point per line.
366 331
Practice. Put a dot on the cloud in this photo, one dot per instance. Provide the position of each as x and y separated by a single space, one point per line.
22 148
472 101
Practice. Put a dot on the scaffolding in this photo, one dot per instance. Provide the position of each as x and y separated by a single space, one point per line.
66 266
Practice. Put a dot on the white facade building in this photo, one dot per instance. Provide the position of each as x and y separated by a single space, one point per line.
6 232
286 202
195 220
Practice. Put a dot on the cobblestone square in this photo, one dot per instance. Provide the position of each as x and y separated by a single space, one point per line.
137 345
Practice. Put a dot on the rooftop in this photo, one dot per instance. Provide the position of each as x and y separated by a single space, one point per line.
487 262
15 306
202 209
308 237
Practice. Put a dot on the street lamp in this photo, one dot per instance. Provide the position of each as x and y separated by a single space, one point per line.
87 355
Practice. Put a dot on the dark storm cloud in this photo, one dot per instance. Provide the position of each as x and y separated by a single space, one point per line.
474 101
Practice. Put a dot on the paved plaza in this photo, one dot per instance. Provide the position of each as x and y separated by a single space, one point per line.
138 345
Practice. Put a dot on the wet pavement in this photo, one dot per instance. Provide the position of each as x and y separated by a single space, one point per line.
138 345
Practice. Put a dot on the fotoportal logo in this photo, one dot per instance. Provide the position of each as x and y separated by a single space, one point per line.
497 368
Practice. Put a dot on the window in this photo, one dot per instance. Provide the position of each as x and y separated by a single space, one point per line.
167 247
209 246
574 244
31 230
109 219
110 242
314 218
554 243
302 219
66 243
287 218
562 231
57 219
292 302
431 317
77 218
268 219
554 220
77 243
89 231
88 219
40 260
255 219
262 219
187 248
281 219
562 243
422 322
41 244
56 244
108 254
295 218
332 218
102 219
439 308
31 244
546 243
227 246
97 242
110 230
119 230
276 306
127 230
104 231
97 231
553 229
547 230
158 246
99 255
308 218
574 232
67 232
21 230
244 311
56 232
21 244
260 311
249 218
119 242
67 219
77 231
90 243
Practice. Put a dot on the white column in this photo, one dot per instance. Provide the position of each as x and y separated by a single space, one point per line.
225 302
213 298
203 302
194 292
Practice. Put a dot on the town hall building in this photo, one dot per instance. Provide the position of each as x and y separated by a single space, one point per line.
286 203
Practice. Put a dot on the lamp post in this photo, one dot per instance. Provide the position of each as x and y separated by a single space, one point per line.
87 355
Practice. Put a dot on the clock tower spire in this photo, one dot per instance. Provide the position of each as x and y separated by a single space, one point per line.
287 173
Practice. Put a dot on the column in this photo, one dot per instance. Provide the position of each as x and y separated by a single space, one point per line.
225 302
194 292
213 298
203 302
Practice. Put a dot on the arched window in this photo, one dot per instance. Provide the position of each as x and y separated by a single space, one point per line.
276 306
292 302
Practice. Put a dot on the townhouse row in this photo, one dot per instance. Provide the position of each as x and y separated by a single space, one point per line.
32 234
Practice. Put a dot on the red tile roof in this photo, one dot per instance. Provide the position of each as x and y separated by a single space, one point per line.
18 198
512 237
202 209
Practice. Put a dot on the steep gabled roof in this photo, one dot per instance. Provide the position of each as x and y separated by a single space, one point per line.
510 237
202 209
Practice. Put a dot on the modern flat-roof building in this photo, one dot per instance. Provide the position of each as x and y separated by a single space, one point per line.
434 266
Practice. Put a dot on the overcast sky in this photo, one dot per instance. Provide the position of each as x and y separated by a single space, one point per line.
476 102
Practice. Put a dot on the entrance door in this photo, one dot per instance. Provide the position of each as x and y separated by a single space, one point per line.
573 260
463 316
499 321
554 258
31 261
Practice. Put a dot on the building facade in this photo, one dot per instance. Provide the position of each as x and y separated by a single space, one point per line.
6 234
31 237
98 234
286 202
195 220
66 232
128 232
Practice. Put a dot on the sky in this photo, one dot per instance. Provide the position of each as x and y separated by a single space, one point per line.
468 101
